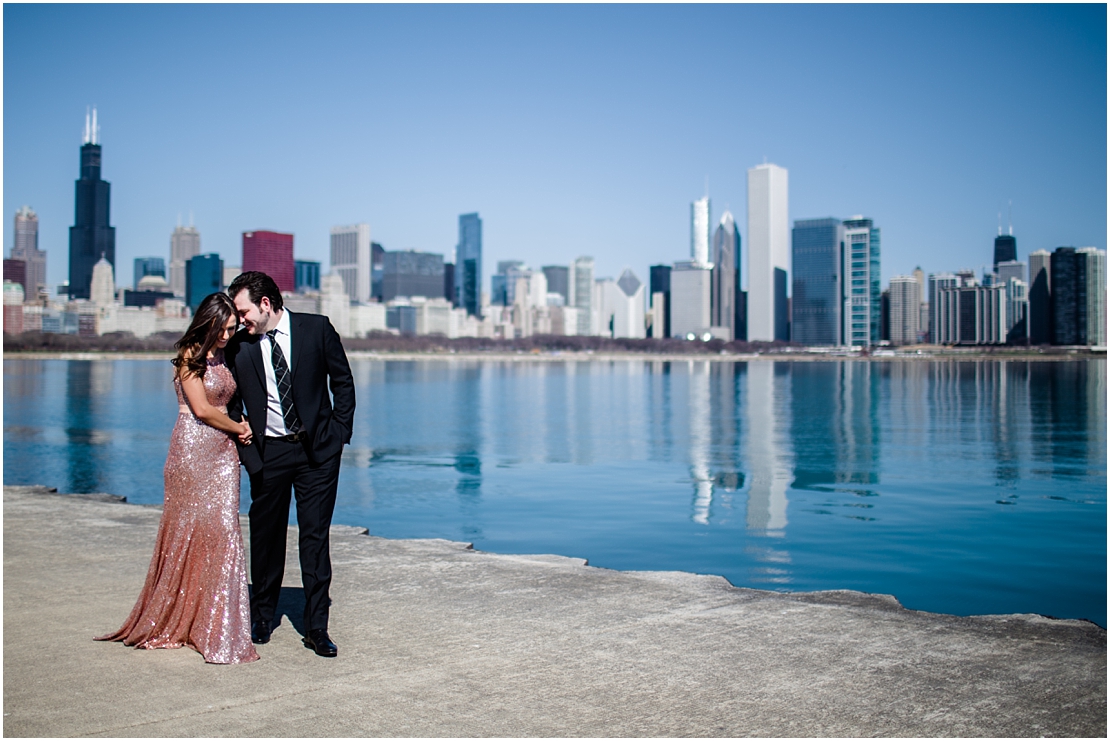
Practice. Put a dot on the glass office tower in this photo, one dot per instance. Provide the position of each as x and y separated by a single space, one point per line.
725 281
204 275
862 294
468 265
145 266
817 246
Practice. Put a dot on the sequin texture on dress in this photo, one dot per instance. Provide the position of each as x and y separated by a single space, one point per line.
196 589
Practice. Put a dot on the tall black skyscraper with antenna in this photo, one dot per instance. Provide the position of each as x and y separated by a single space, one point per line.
1005 245
90 236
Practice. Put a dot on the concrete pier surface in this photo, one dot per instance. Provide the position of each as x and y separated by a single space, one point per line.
436 639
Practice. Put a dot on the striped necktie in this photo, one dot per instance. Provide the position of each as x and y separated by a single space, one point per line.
284 384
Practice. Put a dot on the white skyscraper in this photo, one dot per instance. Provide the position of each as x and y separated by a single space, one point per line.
103 289
768 253
690 297
350 259
1017 305
621 306
335 304
1095 274
699 231
905 309
184 245
581 289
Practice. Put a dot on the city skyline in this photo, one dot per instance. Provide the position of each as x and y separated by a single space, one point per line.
596 144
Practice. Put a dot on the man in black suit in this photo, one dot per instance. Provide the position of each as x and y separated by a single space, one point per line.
283 364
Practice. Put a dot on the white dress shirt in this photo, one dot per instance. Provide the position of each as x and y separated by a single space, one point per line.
275 420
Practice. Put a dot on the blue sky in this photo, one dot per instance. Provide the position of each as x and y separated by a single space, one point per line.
572 129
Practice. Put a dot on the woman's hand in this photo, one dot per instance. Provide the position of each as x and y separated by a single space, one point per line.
193 387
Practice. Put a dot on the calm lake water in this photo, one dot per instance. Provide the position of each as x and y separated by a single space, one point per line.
959 487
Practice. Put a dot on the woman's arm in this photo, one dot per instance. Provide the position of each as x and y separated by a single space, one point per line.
193 386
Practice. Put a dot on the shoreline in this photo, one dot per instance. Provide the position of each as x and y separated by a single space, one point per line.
608 357
440 640
889 600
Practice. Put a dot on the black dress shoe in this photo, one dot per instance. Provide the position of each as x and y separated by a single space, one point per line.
319 642
260 631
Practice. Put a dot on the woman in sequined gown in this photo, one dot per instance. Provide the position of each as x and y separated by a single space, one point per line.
196 589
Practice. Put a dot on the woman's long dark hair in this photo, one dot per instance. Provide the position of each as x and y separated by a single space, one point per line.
202 335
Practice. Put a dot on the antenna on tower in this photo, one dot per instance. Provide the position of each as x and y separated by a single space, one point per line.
95 128
1011 217
1000 223
86 139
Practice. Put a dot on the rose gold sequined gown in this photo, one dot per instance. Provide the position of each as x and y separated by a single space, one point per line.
196 589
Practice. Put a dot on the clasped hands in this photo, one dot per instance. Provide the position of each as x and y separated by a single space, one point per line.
245 433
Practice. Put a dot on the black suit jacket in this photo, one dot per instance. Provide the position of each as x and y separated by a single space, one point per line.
317 361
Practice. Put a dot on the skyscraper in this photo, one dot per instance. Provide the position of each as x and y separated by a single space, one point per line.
26 248
581 287
377 271
768 253
660 283
558 280
923 319
204 275
621 306
468 265
15 271
1066 302
817 245
970 315
1009 269
1017 311
351 260
1078 296
102 286
699 231
1040 298
145 266
502 283
725 279
905 309
184 245
937 283
91 237
1092 264
862 312
306 275
410 273
690 299
271 253
1005 247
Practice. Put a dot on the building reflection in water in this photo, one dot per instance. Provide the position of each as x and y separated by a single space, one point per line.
836 428
88 385
769 461
467 386
700 442
770 451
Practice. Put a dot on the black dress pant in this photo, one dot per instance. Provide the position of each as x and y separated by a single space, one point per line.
286 468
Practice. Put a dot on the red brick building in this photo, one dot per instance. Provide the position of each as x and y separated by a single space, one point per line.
271 253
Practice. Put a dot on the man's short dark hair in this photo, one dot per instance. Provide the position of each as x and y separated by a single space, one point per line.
257 284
